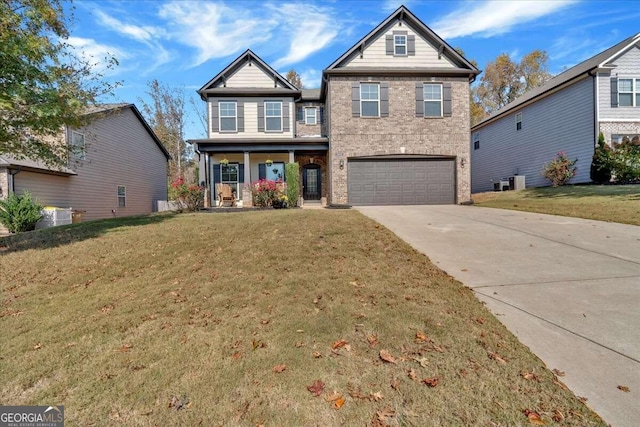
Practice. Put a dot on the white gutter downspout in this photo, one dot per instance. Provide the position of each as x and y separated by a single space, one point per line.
597 108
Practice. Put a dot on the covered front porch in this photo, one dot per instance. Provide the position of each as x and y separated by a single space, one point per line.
238 165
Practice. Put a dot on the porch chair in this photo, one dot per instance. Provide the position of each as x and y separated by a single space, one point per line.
225 194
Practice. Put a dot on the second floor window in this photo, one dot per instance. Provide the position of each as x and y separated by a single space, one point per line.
370 99
399 45
629 92
77 146
273 116
432 100
518 121
228 116
310 116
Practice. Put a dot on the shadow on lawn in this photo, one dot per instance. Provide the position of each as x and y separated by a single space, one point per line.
66 234
630 191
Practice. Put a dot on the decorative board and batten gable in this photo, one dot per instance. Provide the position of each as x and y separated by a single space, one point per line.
249 99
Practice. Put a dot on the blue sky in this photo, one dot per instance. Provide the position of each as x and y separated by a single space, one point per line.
185 43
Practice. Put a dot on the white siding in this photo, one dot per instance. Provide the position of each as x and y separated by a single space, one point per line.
563 121
627 65
119 152
251 121
426 54
249 76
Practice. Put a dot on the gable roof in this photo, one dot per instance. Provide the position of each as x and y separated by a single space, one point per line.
247 56
600 61
114 108
403 14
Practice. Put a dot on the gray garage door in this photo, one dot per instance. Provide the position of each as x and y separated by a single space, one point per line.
401 182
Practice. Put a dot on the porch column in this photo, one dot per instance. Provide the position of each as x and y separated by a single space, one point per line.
291 157
247 200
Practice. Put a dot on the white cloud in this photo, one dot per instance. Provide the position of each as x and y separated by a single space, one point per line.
311 78
308 28
140 33
95 54
494 17
213 29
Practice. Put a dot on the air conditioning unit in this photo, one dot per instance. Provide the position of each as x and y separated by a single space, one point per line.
517 182
53 216
502 185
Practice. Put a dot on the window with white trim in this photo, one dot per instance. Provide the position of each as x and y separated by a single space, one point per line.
310 116
400 45
432 99
77 146
122 196
228 116
273 116
369 99
629 92
518 121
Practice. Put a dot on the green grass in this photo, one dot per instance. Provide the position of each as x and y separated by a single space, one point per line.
123 320
613 203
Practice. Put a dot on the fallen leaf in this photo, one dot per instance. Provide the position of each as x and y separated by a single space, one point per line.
376 397
431 382
279 368
529 376
300 344
237 356
411 374
395 383
582 399
421 337
480 320
264 321
317 354
557 416
372 340
331 397
385 413
316 388
558 372
258 344
387 357
338 403
624 388
496 357
37 346
124 348
424 362
534 417
339 343
184 339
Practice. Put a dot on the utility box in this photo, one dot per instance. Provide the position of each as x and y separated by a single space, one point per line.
502 185
53 216
517 182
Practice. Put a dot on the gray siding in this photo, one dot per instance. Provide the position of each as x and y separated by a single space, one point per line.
627 65
119 152
563 121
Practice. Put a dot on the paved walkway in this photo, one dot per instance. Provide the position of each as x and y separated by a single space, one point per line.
568 288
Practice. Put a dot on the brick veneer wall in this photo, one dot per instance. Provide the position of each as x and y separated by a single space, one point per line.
619 128
356 136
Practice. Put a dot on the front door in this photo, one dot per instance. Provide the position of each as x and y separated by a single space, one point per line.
311 182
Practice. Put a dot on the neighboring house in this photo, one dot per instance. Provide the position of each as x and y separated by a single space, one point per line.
389 125
601 94
117 167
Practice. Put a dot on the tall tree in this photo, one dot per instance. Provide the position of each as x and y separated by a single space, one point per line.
44 83
294 78
476 112
504 80
166 116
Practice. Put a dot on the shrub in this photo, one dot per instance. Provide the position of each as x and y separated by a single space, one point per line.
560 170
625 160
601 164
187 197
267 193
20 213
292 172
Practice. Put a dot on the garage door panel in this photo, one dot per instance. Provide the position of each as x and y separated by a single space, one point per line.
395 182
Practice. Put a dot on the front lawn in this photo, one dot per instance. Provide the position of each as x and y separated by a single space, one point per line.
613 203
274 318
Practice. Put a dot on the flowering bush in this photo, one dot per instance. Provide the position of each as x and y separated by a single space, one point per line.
560 170
187 197
268 193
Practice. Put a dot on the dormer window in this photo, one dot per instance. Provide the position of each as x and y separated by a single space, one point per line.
400 45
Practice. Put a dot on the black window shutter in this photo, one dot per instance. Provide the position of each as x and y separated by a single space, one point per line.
389 40
411 45
419 100
286 125
321 120
384 99
300 114
355 99
240 118
446 99
284 173
260 116
216 178
262 171
215 121
240 173
614 92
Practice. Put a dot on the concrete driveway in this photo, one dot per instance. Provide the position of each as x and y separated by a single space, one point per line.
568 288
